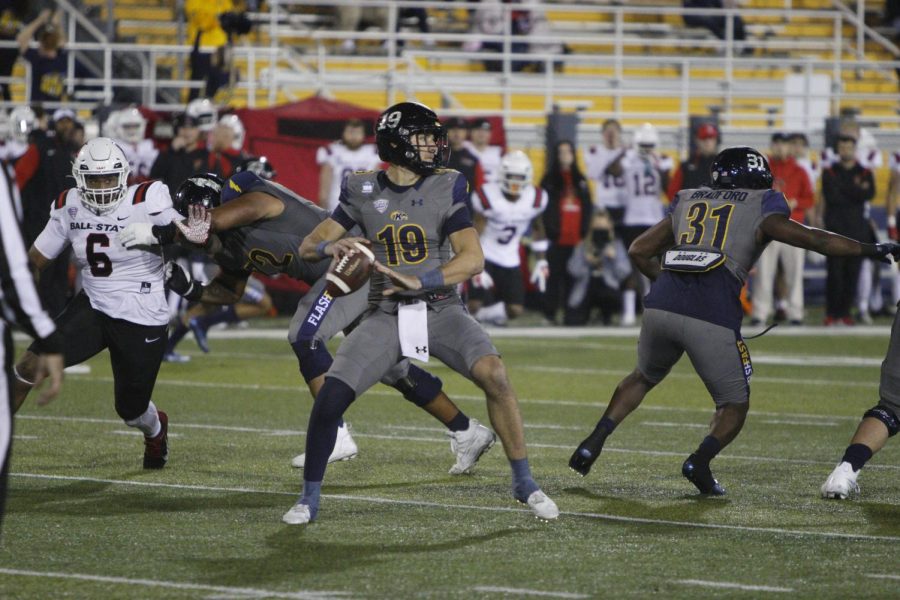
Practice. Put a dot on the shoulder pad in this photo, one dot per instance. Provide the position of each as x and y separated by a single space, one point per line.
63 198
155 194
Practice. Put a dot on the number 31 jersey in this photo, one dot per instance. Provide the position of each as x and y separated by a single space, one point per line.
507 220
121 283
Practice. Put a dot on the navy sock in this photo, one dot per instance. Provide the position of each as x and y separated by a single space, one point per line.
708 449
331 402
857 455
226 315
608 424
177 335
458 423
311 492
523 483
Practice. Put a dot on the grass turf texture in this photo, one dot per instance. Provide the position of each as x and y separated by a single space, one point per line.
394 524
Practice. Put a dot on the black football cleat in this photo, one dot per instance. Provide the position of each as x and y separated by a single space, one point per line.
698 473
582 460
156 449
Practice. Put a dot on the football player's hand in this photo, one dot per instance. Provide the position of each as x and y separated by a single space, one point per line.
179 280
49 367
887 249
137 234
196 228
401 282
483 280
540 274
346 245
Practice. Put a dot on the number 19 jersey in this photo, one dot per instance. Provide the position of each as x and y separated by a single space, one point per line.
121 283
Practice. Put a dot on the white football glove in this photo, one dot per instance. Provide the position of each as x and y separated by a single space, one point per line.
196 228
138 234
539 274
483 281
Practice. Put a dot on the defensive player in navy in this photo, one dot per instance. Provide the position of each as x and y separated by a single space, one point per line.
123 305
255 225
413 214
878 424
698 259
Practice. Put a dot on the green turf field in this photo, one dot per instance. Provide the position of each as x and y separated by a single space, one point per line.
84 520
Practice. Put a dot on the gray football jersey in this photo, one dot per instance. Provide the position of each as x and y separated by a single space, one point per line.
272 246
725 221
409 226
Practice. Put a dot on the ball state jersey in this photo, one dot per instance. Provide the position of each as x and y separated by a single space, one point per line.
507 220
123 284
141 157
609 190
409 226
344 161
271 246
489 159
726 221
643 186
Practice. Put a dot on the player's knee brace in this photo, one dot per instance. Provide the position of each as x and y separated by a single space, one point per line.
886 416
313 357
333 400
419 387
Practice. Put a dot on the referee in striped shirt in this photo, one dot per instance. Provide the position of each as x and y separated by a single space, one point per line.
19 303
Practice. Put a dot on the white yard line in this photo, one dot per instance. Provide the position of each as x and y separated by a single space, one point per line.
678 425
466 507
877 576
441 440
238 592
525 592
733 586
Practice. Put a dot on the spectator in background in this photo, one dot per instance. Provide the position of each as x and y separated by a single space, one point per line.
204 31
799 149
488 156
609 189
716 23
225 142
791 180
846 187
598 267
339 159
13 16
694 172
566 222
49 61
352 18
42 174
461 159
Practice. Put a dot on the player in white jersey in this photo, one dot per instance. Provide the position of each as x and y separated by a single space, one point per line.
123 305
646 175
479 144
20 124
128 127
609 189
339 159
503 212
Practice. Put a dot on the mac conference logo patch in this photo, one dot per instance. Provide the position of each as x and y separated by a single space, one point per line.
381 205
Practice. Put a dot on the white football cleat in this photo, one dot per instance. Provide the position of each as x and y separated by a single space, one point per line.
543 507
344 448
469 445
841 483
298 515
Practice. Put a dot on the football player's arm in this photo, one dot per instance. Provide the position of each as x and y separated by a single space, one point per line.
326 241
891 202
645 250
467 262
614 168
782 229
326 174
539 242
244 210
479 222
38 260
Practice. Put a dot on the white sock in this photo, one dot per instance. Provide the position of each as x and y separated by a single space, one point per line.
148 422
629 298
495 313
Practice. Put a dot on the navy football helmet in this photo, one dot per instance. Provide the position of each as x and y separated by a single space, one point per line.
395 132
203 188
740 167
259 165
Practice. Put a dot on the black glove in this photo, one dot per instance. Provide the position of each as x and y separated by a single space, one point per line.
181 282
885 250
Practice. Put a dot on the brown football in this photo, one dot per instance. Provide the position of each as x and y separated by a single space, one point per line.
351 272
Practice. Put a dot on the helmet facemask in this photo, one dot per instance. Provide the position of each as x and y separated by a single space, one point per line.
101 175
417 143
515 173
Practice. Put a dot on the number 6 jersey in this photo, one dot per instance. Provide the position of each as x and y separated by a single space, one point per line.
123 284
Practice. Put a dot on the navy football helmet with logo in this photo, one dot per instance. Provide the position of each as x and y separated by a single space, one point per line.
204 189
740 167
396 137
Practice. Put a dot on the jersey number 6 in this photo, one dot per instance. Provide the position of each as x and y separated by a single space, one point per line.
101 265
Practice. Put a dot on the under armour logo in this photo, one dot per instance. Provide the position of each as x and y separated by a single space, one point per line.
421 349
418 202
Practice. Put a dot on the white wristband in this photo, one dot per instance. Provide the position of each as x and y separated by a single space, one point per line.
892 221
540 245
